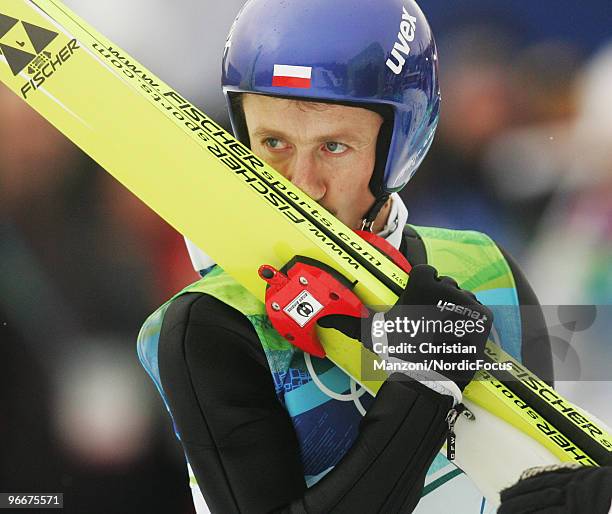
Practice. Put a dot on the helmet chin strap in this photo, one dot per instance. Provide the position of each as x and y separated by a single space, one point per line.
370 217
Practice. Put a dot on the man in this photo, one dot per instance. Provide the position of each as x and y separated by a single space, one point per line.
341 98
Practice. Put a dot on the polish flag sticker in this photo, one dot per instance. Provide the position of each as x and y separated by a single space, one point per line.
292 76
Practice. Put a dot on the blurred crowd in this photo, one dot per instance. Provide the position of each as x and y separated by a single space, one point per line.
523 152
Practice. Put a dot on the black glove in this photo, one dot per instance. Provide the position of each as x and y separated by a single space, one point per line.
562 491
428 297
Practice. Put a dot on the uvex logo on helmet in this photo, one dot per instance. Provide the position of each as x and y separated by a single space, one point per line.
401 49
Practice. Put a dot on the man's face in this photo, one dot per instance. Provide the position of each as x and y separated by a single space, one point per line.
326 150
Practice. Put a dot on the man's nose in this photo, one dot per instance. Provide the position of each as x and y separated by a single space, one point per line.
304 172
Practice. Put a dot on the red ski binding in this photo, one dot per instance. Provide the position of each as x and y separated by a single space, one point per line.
301 293
387 248
305 290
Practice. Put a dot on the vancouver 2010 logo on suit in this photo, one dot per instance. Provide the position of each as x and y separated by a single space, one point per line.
21 43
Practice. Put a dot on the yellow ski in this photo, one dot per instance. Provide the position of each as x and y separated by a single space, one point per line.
178 161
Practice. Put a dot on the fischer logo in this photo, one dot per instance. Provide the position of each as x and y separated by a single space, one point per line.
460 309
21 42
401 49
24 45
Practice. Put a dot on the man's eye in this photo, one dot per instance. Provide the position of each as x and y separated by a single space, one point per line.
335 148
274 143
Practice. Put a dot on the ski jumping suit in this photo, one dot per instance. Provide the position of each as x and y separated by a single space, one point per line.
266 428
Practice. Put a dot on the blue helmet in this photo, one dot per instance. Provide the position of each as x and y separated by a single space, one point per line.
378 54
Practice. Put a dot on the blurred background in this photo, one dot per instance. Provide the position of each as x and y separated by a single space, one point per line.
523 152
